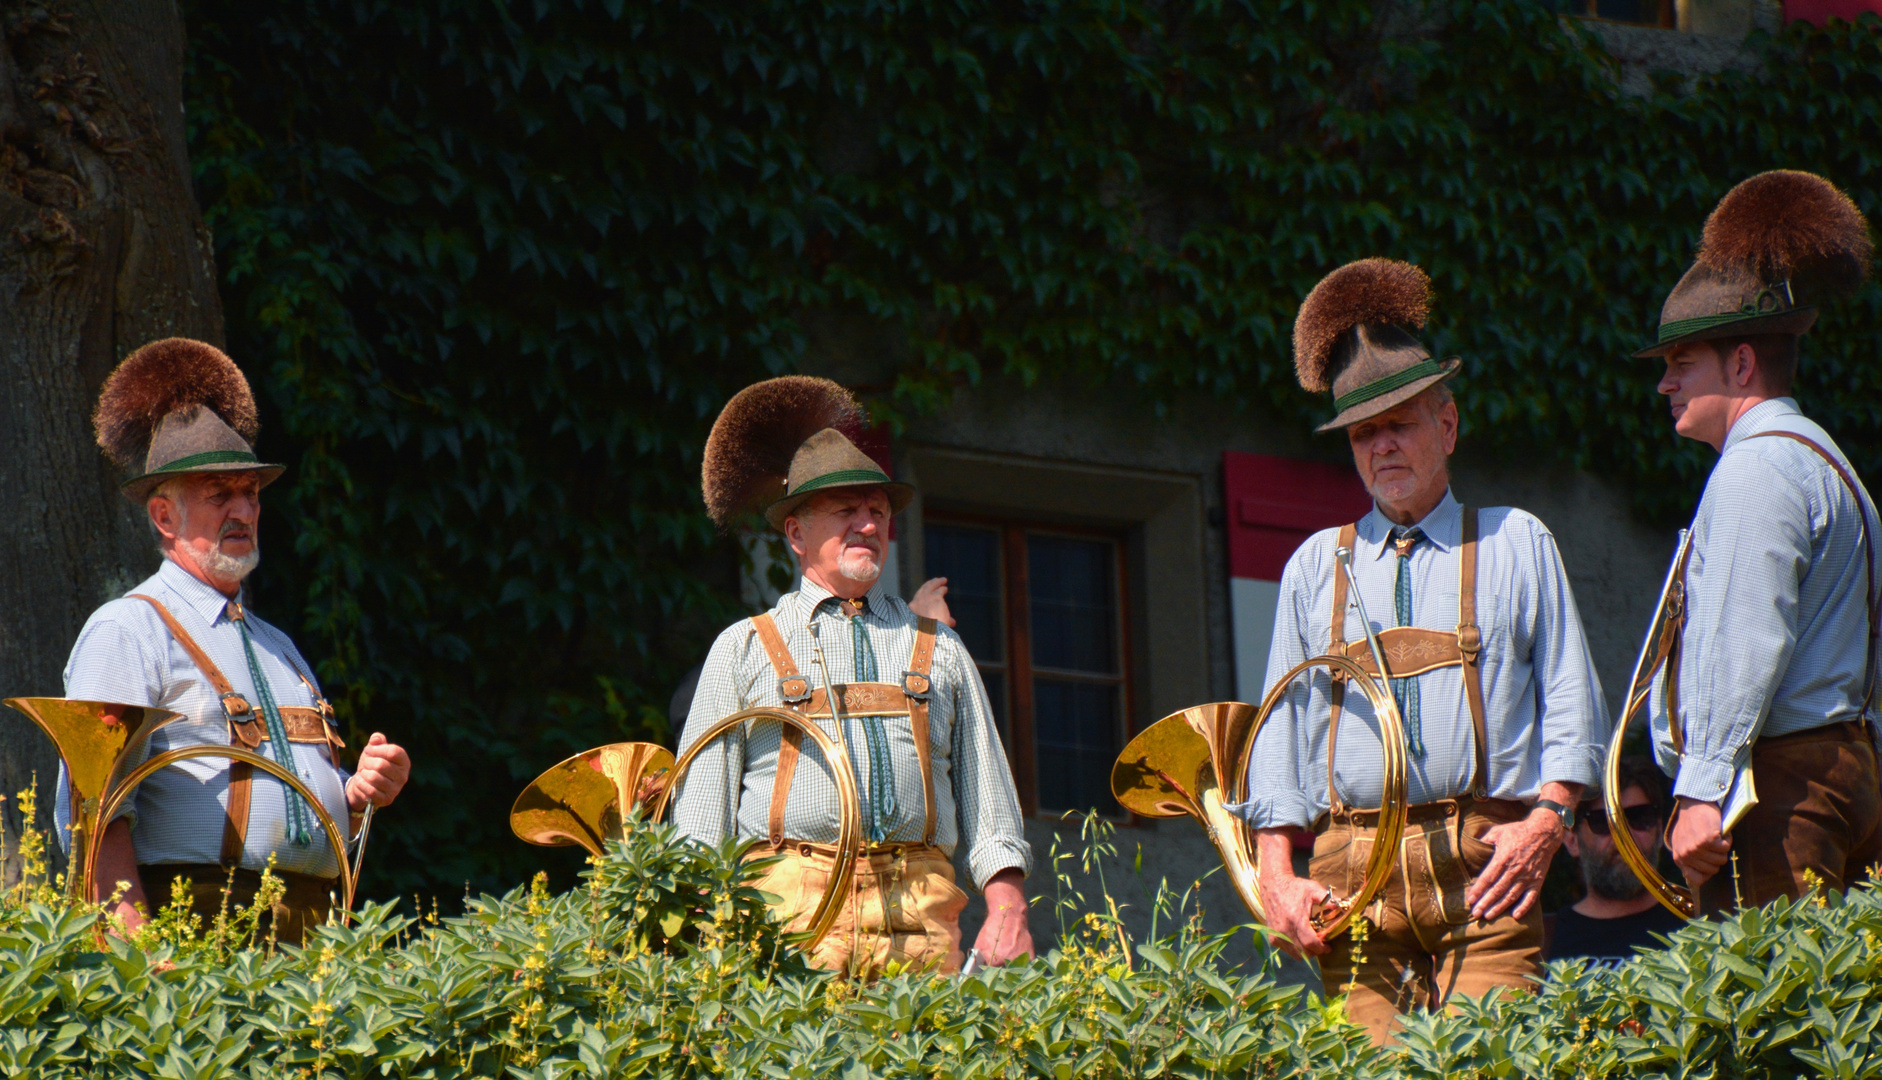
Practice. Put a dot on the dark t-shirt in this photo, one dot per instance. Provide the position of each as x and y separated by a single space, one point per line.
1609 942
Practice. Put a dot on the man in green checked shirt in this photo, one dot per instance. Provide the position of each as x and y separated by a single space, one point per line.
931 771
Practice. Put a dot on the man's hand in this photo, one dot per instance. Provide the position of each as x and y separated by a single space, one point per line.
117 862
1512 881
1697 844
1289 901
1005 935
930 601
383 770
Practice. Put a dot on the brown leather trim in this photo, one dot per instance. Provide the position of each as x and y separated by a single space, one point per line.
918 668
1470 645
1868 550
233 704
788 748
235 823
1349 537
1409 651
859 699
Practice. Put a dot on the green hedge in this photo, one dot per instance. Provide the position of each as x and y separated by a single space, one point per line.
663 965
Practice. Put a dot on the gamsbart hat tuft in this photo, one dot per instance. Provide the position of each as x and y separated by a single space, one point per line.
1777 245
778 442
1353 337
178 406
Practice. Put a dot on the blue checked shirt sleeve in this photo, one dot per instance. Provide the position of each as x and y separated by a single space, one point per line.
991 829
1741 628
1281 781
111 661
707 805
1569 703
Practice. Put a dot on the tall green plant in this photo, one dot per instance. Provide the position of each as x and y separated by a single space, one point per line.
496 265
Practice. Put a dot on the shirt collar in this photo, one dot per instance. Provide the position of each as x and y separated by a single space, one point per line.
1760 417
198 595
1443 526
813 595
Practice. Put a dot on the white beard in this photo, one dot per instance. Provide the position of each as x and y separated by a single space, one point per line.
859 567
225 567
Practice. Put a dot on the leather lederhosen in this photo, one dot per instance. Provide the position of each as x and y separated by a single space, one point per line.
247 730
1411 651
859 699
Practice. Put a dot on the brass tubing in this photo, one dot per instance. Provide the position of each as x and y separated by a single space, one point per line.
234 753
849 805
1674 897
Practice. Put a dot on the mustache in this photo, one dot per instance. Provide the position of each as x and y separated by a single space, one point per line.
233 526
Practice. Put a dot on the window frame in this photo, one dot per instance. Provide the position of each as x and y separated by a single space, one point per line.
1017 666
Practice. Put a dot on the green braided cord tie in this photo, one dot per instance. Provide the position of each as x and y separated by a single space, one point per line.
208 457
881 772
1406 689
1388 384
842 478
299 834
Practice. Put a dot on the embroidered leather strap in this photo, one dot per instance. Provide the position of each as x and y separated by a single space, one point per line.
1868 551
789 679
917 684
1470 645
1349 536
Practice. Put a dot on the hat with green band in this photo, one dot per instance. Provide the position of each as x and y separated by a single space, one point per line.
1353 339
176 407
779 443
1774 247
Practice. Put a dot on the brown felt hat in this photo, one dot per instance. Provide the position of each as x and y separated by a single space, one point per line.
1774 246
1351 339
176 407
781 441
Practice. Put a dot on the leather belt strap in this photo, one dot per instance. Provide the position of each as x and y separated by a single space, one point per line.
873 698
1411 651
304 725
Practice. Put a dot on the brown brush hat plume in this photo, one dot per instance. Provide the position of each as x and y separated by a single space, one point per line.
162 378
1377 292
1786 225
748 455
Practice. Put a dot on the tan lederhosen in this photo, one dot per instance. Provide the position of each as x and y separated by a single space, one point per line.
246 730
911 885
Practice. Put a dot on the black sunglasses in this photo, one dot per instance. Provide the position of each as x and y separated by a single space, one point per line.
1639 818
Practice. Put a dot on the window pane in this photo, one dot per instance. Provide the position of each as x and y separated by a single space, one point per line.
969 558
1075 730
1074 617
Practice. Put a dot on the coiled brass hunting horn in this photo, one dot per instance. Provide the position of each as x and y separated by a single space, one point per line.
585 800
95 738
1659 652
1195 761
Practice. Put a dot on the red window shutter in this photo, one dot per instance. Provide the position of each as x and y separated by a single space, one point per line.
1817 12
1274 504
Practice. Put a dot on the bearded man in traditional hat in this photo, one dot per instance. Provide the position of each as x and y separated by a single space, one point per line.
1774 668
180 413
1502 707
918 727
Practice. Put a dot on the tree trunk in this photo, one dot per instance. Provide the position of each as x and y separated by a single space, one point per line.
102 248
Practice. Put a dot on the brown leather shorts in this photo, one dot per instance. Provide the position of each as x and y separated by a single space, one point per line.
305 903
904 907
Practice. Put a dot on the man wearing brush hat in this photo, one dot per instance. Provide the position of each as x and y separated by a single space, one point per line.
932 774
179 413
1503 712
1775 663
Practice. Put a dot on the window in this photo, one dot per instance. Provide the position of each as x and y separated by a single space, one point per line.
1041 610
1638 12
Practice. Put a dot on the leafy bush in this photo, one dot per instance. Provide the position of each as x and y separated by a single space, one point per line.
663 964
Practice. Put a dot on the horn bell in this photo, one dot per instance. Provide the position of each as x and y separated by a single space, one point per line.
585 799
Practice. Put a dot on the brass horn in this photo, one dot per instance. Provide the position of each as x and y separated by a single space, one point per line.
95 738
1661 643
1195 761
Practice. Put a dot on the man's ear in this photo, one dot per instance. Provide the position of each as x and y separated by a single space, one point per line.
1741 368
1572 842
794 536
162 514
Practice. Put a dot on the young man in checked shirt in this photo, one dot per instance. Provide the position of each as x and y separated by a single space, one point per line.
930 768
1775 664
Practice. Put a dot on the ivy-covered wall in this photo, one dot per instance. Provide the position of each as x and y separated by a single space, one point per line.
495 266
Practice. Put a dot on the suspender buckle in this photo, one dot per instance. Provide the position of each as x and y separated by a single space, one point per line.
793 689
1469 640
236 708
916 685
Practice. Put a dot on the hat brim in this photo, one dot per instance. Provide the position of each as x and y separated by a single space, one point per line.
900 495
138 488
1392 399
1795 322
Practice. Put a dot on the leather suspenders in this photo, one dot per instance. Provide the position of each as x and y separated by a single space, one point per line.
1411 651
304 725
879 699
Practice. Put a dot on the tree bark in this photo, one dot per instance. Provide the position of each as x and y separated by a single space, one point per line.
102 248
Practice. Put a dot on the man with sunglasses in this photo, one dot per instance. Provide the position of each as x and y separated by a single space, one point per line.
1618 915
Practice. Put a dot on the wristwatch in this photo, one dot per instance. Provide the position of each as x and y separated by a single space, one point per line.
1566 813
